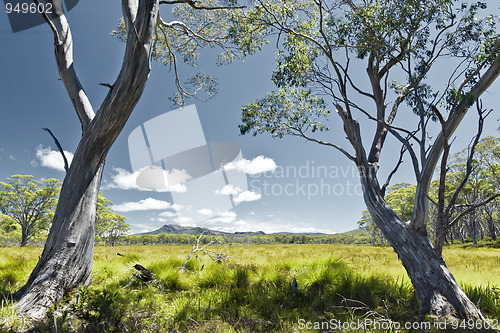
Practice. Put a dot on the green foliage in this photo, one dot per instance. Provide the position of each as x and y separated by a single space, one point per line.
401 199
318 40
30 203
109 225
285 112
28 207
354 237
366 222
192 28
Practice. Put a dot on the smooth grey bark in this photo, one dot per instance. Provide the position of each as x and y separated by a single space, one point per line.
66 261
435 287
24 236
491 226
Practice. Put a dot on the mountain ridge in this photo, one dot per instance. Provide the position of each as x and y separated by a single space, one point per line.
177 229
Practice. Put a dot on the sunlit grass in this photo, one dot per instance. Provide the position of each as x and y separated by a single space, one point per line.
251 294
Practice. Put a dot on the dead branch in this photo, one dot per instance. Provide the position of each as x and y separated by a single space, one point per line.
217 257
66 166
144 274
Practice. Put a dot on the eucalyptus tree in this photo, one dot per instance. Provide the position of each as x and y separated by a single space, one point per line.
66 261
29 202
482 190
402 45
109 225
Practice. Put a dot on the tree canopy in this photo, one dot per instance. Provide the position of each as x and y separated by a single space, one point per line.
109 225
30 203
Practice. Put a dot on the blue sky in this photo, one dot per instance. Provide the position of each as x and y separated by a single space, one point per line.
312 189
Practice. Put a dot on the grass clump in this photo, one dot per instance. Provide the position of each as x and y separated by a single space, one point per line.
252 295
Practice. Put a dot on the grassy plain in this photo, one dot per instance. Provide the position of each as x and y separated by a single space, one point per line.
251 294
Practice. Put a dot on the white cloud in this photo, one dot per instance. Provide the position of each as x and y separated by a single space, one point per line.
239 195
146 204
241 223
247 196
159 219
13 158
168 214
228 189
182 220
257 165
225 217
125 180
178 188
206 212
52 159
177 207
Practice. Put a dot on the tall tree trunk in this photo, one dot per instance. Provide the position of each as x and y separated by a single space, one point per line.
24 236
66 261
440 236
436 289
473 228
491 227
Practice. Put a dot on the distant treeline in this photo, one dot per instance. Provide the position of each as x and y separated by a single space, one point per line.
346 238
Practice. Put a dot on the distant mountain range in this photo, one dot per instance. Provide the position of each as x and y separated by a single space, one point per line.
180 230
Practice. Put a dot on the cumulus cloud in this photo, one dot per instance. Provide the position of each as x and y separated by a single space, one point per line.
159 219
247 196
225 217
125 180
168 214
146 204
206 212
182 220
51 158
177 207
228 189
259 164
238 194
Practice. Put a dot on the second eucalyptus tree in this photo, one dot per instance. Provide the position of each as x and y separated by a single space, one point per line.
401 45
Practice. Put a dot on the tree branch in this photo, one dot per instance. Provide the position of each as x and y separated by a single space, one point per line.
194 5
126 9
342 150
471 208
470 159
400 161
66 166
419 219
63 47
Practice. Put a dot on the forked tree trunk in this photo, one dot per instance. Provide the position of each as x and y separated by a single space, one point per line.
66 261
435 287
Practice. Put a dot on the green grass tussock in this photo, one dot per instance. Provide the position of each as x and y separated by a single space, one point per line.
251 294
